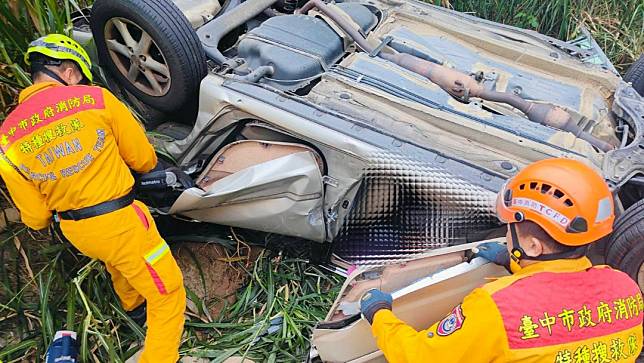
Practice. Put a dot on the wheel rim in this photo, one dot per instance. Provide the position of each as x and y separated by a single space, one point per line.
137 56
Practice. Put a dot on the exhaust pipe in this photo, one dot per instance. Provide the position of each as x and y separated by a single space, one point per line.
460 85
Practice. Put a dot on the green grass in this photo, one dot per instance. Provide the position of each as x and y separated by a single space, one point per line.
47 286
616 25
23 21
272 317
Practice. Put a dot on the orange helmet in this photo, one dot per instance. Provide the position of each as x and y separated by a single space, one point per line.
566 198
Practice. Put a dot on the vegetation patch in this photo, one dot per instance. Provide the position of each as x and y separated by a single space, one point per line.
617 26
261 305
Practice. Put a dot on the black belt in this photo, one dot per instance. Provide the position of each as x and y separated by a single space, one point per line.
98 209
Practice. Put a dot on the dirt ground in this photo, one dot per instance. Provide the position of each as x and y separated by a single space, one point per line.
210 273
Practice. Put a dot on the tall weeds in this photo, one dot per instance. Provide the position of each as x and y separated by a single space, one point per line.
22 22
46 285
617 26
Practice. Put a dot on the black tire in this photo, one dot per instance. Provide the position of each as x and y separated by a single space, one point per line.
173 41
626 246
635 75
174 130
150 116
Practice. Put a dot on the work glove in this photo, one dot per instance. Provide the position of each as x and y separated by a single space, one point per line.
494 252
372 301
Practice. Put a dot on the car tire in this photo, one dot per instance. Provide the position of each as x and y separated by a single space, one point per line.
151 49
174 130
635 75
626 245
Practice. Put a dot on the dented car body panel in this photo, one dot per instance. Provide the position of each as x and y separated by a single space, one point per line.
408 167
404 164
284 193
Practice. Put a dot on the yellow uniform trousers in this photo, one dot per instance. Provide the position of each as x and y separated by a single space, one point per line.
142 268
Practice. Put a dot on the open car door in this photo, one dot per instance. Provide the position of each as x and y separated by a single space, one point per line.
260 185
424 290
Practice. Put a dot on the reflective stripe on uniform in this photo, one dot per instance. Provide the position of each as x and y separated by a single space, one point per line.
157 253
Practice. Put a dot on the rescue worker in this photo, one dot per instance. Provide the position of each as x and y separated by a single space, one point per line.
555 307
67 150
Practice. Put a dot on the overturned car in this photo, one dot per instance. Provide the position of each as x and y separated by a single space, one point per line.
381 130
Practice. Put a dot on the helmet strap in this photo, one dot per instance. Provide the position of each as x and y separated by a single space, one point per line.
579 251
53 75
518 253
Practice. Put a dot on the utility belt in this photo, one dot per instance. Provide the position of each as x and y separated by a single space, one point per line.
98 209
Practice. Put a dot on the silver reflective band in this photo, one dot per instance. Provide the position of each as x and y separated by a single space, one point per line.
604 209
550 213
41 43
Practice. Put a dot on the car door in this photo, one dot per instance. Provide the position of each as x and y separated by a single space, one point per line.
439 280
261 185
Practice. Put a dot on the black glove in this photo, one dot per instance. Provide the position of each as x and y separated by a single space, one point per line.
372 301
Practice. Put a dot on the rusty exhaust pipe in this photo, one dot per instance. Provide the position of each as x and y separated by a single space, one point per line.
461 86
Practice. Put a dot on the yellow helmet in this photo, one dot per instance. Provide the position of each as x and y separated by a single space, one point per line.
61 47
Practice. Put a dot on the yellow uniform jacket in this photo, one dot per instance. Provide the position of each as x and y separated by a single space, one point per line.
562 311
69 147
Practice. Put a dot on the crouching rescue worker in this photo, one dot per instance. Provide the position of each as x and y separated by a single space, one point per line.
556 307
66 152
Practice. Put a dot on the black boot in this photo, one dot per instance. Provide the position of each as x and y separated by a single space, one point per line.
139 314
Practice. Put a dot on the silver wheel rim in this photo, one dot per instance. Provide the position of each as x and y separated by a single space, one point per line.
640 277
137 56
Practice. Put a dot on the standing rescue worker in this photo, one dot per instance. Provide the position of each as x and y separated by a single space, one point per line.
67 151
556 307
